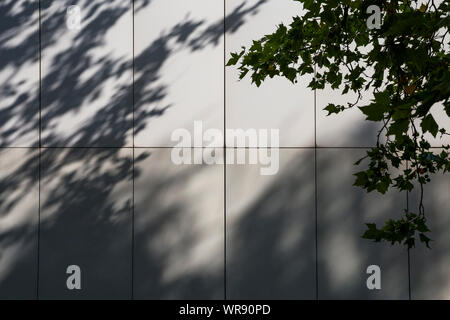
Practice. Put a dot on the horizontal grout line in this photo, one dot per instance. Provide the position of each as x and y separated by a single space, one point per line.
204 147
165 147
19 147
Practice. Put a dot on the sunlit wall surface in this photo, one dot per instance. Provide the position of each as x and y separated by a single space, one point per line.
86 178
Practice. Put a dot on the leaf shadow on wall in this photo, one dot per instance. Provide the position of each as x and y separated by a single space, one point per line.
86 193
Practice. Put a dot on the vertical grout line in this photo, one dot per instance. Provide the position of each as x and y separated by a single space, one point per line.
39 147
225 156
315 191
132 131
409 256
409 274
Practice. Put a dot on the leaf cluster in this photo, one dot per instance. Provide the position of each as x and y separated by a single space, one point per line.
404 65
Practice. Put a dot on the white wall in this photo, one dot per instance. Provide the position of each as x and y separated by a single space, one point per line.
108 197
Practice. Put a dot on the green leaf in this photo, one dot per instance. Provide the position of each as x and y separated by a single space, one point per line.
361 179
372 233
430 125
332 108
399 127
423 238
357 163
235 57
376 110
